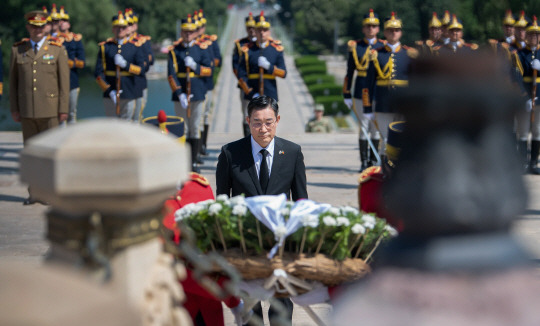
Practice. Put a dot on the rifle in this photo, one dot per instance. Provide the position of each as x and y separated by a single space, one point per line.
533 92
118 85
188 87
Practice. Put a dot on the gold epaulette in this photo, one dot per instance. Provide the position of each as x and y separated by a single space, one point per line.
245 47
505 45
77 37
368 173
277 46
203 45
411 52
110 40
437 47
278 42
351 44
199 179
170 48
148 37
136 42
102 43
430 43
24 40
56 41
492 41
419 43
213 37
178 41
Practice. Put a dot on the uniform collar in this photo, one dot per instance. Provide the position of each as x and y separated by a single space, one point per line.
394 48
264 45
40 43
190 44
370 41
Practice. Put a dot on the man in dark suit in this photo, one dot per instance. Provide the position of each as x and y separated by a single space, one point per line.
262 164
240 162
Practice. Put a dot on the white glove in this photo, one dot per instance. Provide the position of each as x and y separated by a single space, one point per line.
256 95
369 116
348 102
120 61
189 62
241 317
264 63
184 102
317 295
528 104
255 289
535 64
112 95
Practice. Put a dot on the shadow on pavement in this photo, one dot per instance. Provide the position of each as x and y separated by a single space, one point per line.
331 168
10 198
332 185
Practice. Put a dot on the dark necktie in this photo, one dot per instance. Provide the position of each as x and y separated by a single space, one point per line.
35 48
263 173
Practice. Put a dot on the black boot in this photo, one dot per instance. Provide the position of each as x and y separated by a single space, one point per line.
204 138
372 156
535 150
247 132
363 154
522 155
194 145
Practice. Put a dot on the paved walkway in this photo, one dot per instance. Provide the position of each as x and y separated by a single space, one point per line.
331 166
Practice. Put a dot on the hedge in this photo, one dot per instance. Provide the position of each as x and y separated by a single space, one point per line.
310 70
318 79
327 89
332 104
307 60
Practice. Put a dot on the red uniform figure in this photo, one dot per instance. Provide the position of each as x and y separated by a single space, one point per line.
198 299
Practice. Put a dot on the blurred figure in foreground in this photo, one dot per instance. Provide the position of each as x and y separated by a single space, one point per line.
457 191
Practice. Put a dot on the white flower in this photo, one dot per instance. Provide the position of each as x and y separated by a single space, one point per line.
310 220
333 211
198 207
222 197
329 221
358 229
348 209
393 232
370 226
239 210
281 231
342 221
184 212
238 200
206 202
368 219
285 211
214 209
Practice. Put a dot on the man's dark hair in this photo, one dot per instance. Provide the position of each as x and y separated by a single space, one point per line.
262 102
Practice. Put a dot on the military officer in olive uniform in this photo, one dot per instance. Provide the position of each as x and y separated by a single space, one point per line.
358 61
319 123
123 56
76 61
213 47
188 62
391 63
435 36
456 43
39 79
261 60
237 52
528 120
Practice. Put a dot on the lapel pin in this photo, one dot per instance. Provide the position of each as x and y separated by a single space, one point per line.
281 152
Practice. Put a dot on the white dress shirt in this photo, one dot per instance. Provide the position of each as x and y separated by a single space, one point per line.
39 44
257 157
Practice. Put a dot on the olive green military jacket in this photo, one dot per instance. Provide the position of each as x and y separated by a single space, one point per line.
39 82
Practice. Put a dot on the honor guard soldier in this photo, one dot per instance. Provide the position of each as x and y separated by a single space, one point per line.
237 52
76 61
358 61
391 63
456 43
528 63
146 46
39 81
54 21
445 22
188 62
213 47
435 36
260 63
520 32
119 60
502 46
